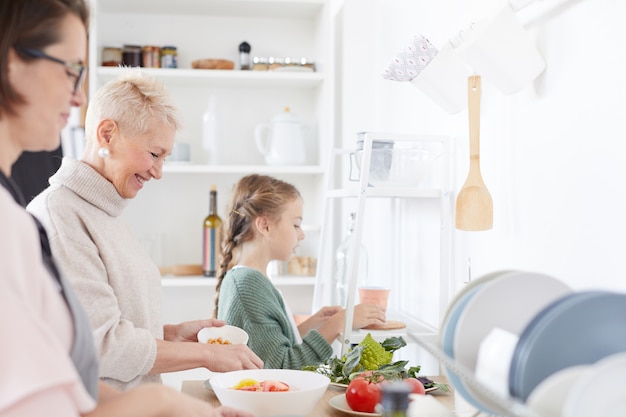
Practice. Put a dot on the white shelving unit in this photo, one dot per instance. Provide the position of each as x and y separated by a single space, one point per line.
203 29
168 214
364 192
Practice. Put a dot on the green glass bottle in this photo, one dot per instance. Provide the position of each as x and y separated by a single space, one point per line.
212 237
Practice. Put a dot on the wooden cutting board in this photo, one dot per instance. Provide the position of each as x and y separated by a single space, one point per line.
389 325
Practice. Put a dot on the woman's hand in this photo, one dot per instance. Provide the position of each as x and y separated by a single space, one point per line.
177 356
367 315
188 331
224 358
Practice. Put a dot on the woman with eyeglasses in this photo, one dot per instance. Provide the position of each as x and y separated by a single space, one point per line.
48 362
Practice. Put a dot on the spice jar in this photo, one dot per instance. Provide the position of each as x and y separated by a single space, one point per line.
307 64
151 56
275 63
111 56
259 63
169 57
131 55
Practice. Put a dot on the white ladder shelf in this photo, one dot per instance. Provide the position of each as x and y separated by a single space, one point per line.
365 191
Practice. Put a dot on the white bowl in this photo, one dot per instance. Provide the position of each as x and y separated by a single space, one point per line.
233 334
306 390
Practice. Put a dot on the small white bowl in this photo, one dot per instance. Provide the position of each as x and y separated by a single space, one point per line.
232 334
306 390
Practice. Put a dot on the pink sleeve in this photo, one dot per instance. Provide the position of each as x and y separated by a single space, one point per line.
37 376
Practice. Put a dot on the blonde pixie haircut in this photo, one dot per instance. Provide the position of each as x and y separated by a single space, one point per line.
134 100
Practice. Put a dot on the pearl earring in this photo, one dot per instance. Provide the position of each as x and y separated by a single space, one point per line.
103 152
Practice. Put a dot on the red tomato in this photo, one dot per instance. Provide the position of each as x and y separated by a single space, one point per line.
416 386
371 376
362 395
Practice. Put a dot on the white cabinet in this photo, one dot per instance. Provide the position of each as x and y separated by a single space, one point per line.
411 228
168 214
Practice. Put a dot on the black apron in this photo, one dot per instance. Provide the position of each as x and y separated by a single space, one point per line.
83 353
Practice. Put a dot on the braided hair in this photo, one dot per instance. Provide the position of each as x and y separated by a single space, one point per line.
253 196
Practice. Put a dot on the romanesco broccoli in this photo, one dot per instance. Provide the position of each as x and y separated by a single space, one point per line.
374 355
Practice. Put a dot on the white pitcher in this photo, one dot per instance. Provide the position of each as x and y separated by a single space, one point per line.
281 140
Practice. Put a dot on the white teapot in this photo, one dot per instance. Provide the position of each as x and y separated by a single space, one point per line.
282 140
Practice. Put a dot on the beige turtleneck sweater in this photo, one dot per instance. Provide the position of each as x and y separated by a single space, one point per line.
113 276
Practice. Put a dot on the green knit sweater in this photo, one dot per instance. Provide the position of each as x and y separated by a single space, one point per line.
249 300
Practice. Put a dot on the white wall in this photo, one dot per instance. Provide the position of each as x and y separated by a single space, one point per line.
552 154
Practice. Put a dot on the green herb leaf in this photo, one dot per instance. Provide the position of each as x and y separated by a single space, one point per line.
352 361
391 344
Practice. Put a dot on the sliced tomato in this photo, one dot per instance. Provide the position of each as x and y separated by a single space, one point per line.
249 388
274 386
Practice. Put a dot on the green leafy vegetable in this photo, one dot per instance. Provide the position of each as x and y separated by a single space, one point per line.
374 357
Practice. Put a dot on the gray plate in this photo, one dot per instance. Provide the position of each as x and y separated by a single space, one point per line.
578 329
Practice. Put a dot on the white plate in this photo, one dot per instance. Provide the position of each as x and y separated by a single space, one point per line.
470 286
606 397
344 386
448 330
509 302
339 403
548 398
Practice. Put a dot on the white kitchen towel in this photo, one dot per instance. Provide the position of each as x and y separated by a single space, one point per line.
411 60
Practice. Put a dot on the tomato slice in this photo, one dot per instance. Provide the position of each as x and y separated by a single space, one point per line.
274 386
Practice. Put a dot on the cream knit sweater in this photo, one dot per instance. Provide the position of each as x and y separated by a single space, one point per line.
115 279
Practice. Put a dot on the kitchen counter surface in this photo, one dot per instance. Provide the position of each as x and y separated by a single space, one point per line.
196 389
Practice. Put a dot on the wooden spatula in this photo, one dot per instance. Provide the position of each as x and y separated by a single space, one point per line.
474 206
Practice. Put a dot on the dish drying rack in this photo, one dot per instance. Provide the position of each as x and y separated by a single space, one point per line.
506 406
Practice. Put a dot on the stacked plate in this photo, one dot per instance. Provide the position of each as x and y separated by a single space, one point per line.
565 345
507 300
583 390
581 328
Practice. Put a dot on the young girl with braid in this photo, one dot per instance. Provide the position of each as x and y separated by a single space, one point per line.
264 224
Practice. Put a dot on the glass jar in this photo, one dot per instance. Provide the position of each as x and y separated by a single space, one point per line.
259 63
169 57
275 63
111 56
307 63
151 56
131 55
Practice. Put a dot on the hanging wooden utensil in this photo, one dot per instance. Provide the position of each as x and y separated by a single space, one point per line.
474 206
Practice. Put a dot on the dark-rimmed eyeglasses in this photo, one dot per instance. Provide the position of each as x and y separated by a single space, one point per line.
75 70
